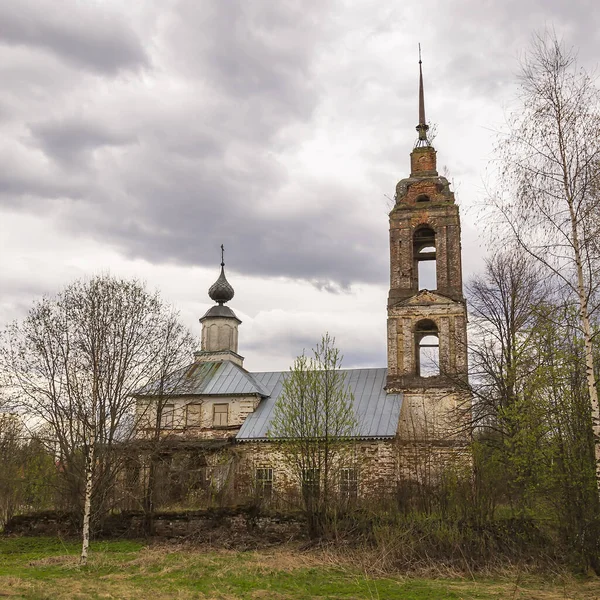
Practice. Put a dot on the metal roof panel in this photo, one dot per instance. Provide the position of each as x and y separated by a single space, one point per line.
207 378
376 411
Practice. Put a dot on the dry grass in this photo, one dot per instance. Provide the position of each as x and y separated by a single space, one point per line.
182 571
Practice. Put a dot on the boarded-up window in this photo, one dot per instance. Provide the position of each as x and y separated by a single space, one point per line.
349 483
220 415
264 483
194 415
166 417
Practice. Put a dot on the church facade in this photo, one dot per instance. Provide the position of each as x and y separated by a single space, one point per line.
408 414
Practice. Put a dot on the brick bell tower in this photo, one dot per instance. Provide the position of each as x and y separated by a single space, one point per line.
427 354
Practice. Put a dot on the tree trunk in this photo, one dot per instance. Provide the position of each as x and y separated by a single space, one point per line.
87 508
149 497
587 344
591 379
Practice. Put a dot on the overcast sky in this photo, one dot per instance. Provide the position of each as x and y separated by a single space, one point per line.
136 137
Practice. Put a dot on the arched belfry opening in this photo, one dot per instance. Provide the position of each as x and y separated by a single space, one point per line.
425 258
427 349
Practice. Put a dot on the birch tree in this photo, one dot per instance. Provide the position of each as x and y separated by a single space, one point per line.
551 172
74 363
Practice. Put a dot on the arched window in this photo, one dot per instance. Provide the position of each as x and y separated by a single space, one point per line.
427 349
422 198
424 258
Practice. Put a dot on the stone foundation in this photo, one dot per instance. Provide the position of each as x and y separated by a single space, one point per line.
235 527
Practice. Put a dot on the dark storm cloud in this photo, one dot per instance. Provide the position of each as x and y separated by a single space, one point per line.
66 139
251 51
76 32
29 183
198 150
204 168
30 188
184 217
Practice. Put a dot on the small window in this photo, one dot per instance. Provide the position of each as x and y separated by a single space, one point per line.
423 198
220 415
311 482
193 417
349 483
166 417
264 483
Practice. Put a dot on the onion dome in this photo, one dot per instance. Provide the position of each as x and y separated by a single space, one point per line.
221 291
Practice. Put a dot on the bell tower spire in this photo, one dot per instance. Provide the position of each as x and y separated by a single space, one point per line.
423 157
422 127
426 307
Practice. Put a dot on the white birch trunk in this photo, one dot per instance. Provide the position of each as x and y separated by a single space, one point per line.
593 391
587 345
589 369
87 508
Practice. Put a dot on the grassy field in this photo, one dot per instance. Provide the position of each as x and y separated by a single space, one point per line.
47 568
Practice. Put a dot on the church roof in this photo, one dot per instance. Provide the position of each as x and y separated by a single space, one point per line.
377 413
208 378
219 311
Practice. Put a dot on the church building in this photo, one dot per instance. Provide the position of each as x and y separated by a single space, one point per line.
408 414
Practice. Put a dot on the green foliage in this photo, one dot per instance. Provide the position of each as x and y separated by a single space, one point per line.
315 403
534 448
27 470
540 462
313 418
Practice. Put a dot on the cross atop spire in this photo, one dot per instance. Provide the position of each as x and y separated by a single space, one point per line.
222 255
422 127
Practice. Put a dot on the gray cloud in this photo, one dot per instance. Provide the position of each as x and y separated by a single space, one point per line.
27 182
79 33
68 138
186 219
205 147
250 50
208 171
290 343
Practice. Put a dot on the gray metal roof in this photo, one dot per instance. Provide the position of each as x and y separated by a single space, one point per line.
208 378
377 413
219 311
